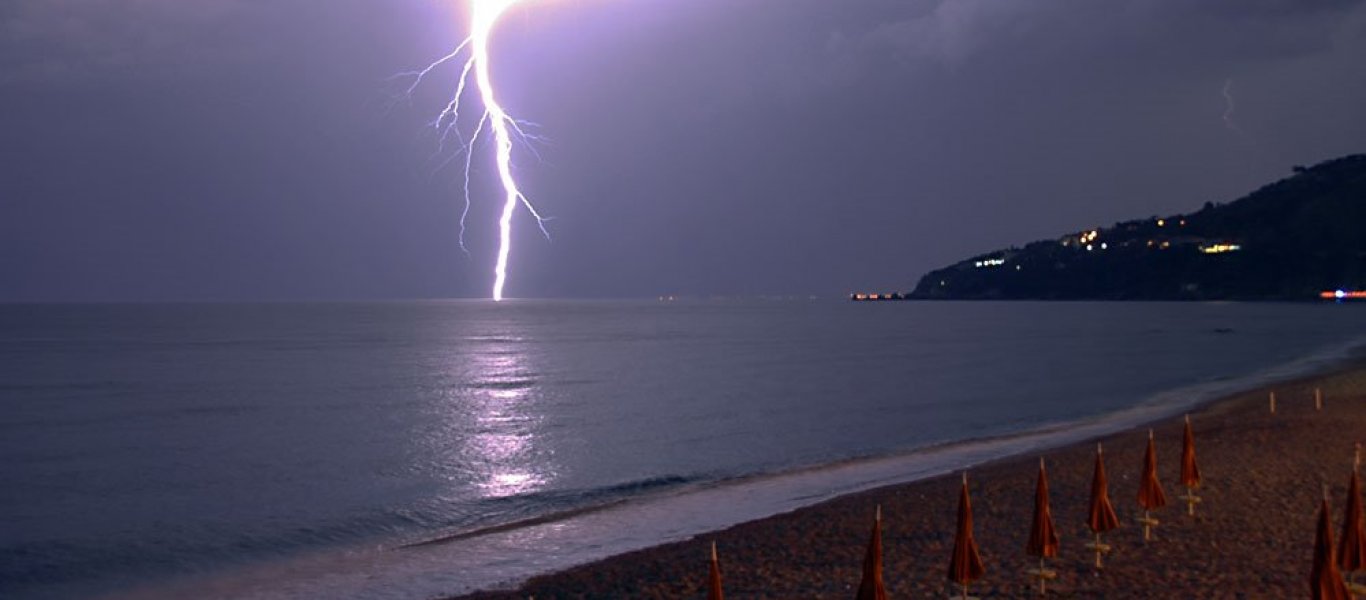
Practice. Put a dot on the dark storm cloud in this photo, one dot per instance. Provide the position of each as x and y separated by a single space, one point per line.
250 149
75 41
1169 35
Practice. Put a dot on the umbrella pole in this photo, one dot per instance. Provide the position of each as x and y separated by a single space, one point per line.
1147 527
1098 552
1191 500
1043 581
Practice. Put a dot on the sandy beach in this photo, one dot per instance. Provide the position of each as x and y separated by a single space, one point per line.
1251 537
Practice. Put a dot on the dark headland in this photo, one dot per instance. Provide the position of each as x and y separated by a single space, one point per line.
1291 240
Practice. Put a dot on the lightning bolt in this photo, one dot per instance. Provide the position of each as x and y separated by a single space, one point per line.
1229 107
484 16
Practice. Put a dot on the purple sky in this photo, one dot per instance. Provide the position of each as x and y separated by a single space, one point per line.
242 149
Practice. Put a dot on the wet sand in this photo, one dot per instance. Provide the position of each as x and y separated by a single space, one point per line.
1251 536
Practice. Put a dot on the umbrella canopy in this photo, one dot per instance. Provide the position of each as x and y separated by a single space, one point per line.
1190 472
1352 551
1043 537
714 585
871 587
1150 494
1325 581
966 564
1102 517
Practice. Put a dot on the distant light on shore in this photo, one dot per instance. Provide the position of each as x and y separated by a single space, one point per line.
1220 248
1343 295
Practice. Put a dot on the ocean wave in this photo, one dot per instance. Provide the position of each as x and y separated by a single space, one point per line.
707 503
578 501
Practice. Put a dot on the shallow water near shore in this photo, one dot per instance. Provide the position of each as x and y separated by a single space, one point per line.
291 449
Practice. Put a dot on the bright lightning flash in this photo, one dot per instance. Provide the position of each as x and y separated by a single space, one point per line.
484 15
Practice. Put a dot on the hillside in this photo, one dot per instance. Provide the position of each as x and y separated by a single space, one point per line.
1288 240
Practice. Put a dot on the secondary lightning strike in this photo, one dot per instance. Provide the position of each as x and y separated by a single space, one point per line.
484 15
1228 108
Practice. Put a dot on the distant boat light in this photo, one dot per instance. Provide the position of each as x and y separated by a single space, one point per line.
1343 295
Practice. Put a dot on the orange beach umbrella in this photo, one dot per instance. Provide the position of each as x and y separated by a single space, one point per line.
871 587
1352 548
1150 494
1325 581
1043 536
1190 471
1102 517
714 591
966 565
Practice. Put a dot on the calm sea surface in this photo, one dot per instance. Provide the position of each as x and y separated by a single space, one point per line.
141 444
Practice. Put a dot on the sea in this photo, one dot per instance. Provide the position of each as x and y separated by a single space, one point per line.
426 449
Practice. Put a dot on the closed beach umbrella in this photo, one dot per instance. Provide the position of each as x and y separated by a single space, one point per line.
1150 494
965 566
871 588
1352 551
1102 517
1190 471
1325 581
714 585
1043 536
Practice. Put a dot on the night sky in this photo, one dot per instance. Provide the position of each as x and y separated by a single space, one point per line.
250 149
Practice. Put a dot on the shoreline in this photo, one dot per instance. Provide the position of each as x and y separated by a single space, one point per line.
815 551
488 562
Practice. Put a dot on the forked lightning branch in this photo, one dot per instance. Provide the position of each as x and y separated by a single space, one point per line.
473 54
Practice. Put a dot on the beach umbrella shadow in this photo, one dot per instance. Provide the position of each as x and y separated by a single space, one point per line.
1351 553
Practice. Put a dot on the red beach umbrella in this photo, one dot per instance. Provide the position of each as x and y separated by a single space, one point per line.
1352 550
966 565
1150 494
1043 536
871 587
714 591
1190 471
1102 517
1325 581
